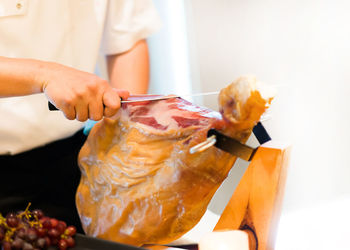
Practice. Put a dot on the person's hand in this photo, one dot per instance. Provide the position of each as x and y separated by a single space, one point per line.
80 95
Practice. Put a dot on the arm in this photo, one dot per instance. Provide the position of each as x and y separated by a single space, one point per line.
130 70
80 95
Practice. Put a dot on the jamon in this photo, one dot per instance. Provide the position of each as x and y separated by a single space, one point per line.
140 185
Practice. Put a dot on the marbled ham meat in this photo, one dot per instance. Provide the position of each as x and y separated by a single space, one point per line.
140 185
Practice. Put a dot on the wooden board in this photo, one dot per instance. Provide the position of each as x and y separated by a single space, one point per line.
256 204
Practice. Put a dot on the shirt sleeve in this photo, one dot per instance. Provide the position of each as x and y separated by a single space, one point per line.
127 22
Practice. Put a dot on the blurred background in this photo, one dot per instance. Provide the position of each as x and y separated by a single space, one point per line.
302 48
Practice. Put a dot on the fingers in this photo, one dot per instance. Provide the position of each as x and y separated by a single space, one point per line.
96 110
111 101
69 112
124 94
106 105
81 95
81 112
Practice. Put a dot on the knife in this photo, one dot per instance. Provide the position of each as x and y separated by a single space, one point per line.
53 108
232 146
150 97
237 148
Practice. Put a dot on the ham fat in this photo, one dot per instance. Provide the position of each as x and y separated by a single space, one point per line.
140 185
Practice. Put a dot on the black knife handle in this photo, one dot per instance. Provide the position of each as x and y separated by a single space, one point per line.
52 107
260 133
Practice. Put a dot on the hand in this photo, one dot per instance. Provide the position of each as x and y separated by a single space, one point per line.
80 95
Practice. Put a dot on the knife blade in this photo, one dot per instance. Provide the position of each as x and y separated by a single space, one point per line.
232 146
149 97
235 147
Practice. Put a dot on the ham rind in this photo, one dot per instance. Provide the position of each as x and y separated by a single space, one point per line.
140 184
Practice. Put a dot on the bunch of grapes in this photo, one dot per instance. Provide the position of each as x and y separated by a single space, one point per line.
32 230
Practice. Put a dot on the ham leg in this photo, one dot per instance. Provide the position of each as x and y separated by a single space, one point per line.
140 185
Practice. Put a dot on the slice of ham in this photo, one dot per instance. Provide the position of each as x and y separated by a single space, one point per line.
140 185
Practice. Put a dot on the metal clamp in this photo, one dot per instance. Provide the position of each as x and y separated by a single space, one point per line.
210 141
230 145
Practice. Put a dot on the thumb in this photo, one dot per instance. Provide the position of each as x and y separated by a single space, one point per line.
111 101
124 94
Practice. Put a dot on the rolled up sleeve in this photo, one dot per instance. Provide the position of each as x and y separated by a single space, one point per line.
127 22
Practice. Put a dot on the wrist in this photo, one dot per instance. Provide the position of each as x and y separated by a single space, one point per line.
41 74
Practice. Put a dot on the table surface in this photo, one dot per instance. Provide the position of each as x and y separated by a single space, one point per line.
321 226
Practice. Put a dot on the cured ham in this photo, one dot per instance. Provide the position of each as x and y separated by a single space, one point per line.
140 184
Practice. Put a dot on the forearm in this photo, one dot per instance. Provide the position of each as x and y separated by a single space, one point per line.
19 77
130 70
79 95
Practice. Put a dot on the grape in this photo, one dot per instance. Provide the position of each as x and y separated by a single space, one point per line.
41 242
38 213
2 233
54 241
70 241
45 221
11 214
21 233
70 231
54 222
12 220
61 226
6 245
47 241
17 243
34 231
41 231
31 234
53 233
27 246
62 244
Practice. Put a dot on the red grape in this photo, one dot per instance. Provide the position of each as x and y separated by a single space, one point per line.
61 226
31 234
12 221
54 241
62 244
46 222
6 245
27 246
41 231
2 233
11 214
21 233
38 213
41 242
71 231
53 233
47 241
70 241
54 222
17 243
34 231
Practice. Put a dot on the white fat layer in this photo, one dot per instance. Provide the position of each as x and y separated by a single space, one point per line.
244 86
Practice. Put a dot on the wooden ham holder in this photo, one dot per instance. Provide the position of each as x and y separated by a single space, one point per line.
255 206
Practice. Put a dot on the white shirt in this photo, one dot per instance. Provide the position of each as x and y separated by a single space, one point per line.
69 32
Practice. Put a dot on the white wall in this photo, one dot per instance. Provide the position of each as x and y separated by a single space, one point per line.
169 52
302 45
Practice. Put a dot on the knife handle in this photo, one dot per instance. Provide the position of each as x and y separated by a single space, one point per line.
260 133
52 107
